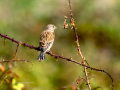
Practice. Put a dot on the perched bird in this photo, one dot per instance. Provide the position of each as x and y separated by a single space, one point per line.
46 40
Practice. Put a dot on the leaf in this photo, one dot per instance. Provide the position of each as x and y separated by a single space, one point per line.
17 86
2 67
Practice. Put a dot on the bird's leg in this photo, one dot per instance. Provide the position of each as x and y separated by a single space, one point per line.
40 60
49 51
38 48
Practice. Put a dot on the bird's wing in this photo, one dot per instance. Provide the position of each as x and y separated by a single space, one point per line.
46 39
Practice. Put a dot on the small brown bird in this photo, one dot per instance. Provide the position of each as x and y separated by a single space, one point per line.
46 40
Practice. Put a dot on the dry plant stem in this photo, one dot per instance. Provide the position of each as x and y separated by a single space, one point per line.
4 41
9 61
83 61
3 73
16 51
13 40
14 60
78 46
55 56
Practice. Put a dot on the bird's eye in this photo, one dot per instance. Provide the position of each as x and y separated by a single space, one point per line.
53 26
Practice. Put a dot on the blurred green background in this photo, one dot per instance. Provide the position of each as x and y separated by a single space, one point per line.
97 23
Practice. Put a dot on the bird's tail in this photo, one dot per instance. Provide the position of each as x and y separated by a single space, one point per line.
41 56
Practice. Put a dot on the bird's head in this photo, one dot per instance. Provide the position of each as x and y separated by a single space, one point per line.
50 27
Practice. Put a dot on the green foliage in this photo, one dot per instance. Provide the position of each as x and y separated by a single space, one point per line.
17 86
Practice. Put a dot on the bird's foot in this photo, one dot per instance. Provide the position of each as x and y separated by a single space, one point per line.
40 60
50 52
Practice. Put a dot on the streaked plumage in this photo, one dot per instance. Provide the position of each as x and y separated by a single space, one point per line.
46 40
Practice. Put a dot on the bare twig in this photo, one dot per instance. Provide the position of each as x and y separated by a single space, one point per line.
80 79
79 51
16 51
55 56
4 41
3 61
14 60
13 40
65 26
78 46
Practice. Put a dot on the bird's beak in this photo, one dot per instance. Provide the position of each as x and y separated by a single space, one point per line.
55 27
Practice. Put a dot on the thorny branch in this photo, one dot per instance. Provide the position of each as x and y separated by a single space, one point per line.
56 56
78 46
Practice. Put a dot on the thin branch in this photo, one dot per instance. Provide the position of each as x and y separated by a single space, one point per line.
13 40
3 61
79 51
4 41
55 56
13 60
78 46
16 51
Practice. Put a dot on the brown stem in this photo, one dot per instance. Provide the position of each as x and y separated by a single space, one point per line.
55 56
78 48
16 51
